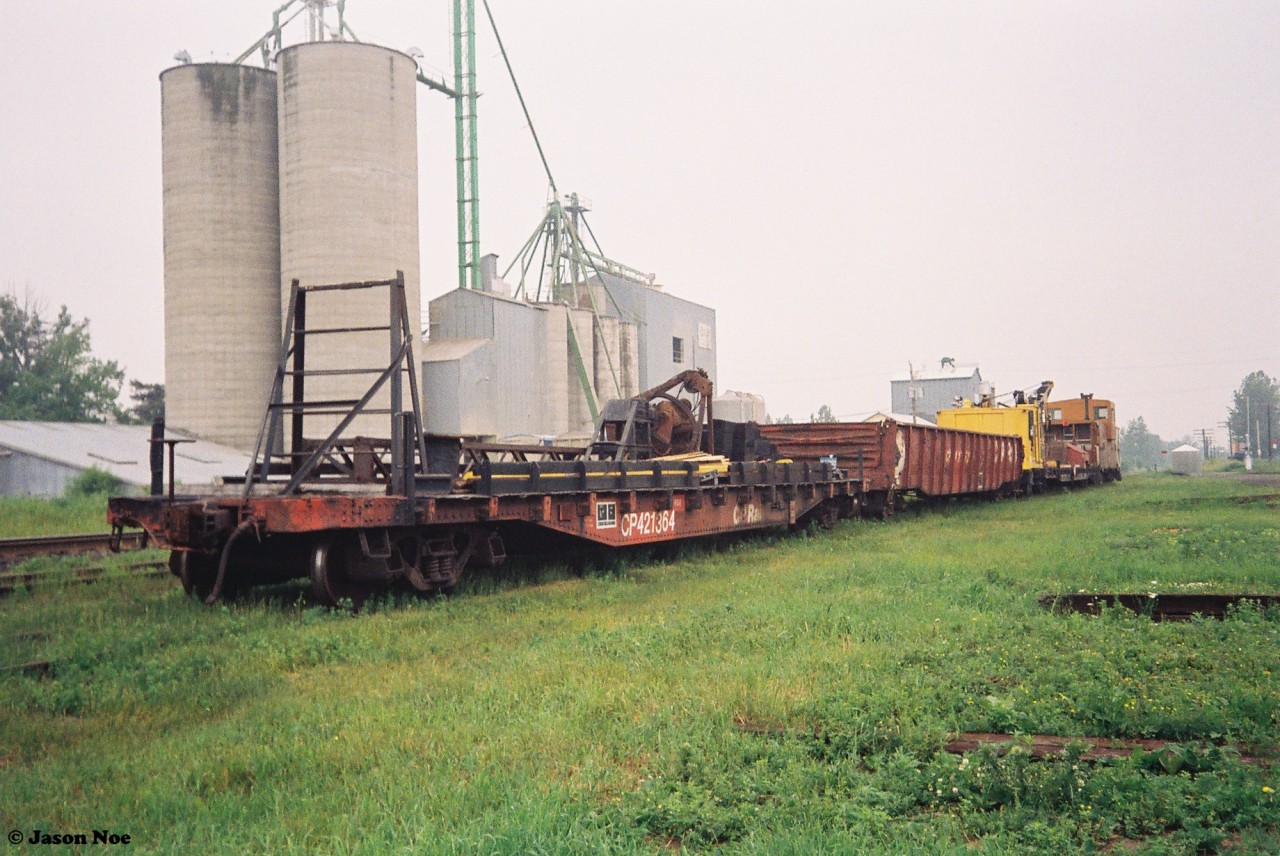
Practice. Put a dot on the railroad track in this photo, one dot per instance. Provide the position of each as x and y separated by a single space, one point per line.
11 580
13 550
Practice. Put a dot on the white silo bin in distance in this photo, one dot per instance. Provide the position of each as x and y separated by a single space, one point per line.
580 325
608 360
221 248
348 206
629 358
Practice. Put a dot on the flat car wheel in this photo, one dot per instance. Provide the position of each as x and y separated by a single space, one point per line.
329 580
196 571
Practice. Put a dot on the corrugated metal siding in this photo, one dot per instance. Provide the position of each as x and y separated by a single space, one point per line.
27 475
526 382
662 317
442 397
556 380
943 462
493 390
513 384
122 450
579 413
935 394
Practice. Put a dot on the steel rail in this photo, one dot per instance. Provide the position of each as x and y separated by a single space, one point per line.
17 549
10 581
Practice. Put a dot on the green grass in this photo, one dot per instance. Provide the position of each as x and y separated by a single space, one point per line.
595 713
1260 465
28 518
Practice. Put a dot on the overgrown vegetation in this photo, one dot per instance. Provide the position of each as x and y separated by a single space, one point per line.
603 712
81 508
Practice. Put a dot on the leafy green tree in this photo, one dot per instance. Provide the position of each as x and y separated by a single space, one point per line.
47 371
148 402
1255 407
1139 448
824 415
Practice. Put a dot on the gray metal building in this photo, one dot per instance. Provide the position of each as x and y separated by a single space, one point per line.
499 367
42 458
484 364
934 389
674 334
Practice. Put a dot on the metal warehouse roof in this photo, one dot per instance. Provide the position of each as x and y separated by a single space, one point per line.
906 418
122 450
960 370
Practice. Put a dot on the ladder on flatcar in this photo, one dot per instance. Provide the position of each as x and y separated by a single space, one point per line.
339 459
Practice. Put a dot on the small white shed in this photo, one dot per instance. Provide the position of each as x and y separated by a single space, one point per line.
1185 460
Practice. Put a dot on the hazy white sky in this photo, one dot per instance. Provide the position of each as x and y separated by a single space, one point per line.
1087 192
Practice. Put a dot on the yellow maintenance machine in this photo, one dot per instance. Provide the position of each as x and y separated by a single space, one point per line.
1025 419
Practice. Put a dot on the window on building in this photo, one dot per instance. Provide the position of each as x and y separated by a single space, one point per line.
1055 415
704 336
677 349
1099 413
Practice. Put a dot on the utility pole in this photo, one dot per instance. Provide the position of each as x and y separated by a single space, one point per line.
1270 443
913 391
1205 433
1248 420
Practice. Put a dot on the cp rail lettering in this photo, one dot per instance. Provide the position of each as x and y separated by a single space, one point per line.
646 523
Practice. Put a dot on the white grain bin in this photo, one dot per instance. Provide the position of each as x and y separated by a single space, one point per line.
734 406
581 325
629 357
1185 460
221 249
348 206
608 359
557 381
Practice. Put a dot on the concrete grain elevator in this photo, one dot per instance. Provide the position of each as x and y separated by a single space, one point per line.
310 173
348 203
221 248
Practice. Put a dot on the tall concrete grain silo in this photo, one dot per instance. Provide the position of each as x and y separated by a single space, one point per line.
348 205
221 248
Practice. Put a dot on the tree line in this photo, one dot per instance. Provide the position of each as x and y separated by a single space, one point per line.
1252 419
1253 422
48 372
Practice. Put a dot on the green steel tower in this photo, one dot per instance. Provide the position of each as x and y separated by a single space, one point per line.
464 100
